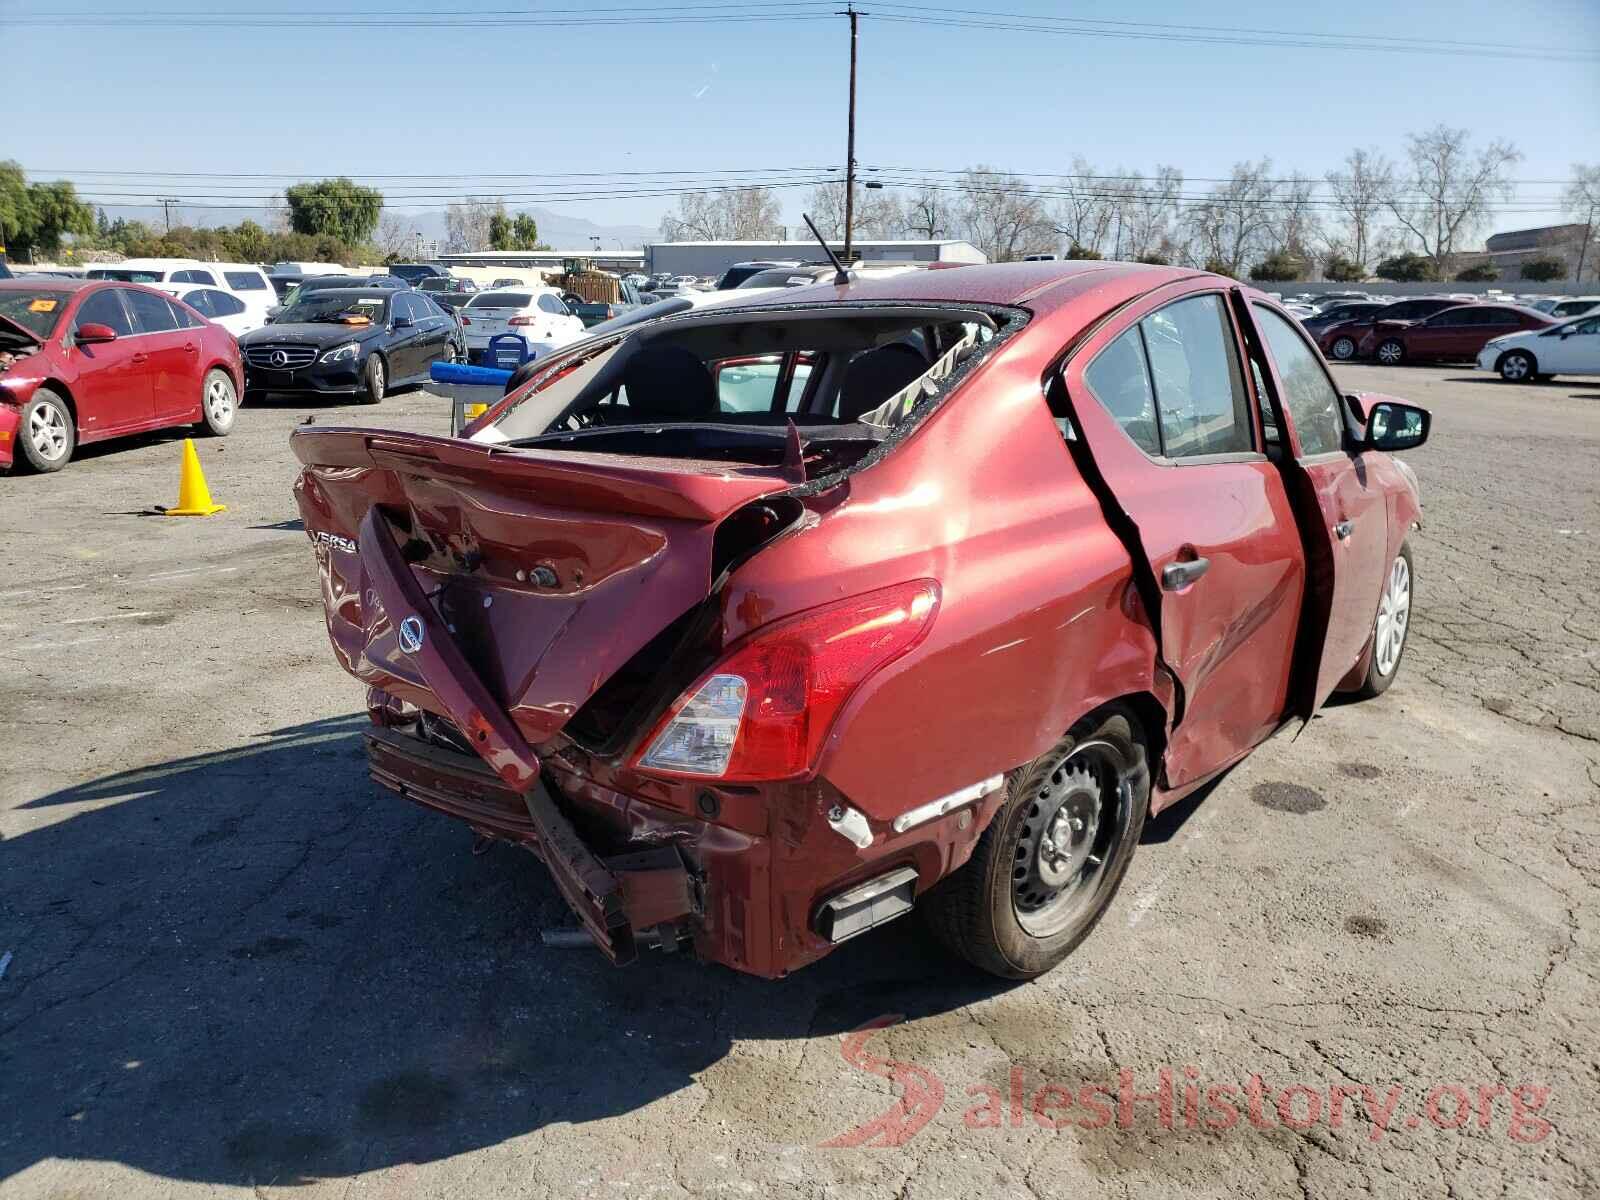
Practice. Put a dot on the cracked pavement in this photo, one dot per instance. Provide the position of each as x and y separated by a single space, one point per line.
239 969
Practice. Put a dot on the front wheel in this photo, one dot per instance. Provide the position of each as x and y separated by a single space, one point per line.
1517 367
1046 869
47 434
1392 352
219 404
1390 628
374 379
1343 348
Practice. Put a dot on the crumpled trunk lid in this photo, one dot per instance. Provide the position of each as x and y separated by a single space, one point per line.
532 575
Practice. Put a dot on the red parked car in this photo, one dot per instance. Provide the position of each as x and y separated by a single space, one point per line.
1348 339
1454 334
1011 557
82 361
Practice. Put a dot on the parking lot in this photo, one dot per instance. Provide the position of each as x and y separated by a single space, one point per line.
236 965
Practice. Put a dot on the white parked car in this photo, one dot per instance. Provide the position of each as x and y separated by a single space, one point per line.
217 305
1572 348
248 283
1573 306
537 314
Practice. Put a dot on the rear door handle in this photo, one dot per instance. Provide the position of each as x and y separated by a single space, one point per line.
1178 575
139 358
1343 529
190 348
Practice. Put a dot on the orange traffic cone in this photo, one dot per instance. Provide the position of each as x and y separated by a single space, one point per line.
194 498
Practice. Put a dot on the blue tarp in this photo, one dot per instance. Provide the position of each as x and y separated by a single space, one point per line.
444 372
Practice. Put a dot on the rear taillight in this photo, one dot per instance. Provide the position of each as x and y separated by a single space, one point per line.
520 321
764 710
465 320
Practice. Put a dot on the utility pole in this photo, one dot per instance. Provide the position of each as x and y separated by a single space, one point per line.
166 203
850 143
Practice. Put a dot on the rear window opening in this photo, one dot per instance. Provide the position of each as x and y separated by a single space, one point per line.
725 386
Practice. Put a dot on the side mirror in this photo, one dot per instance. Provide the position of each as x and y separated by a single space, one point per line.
1393 426
403 322
94 334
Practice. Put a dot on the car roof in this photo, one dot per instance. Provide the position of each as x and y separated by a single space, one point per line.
381 293
1039 286
49 284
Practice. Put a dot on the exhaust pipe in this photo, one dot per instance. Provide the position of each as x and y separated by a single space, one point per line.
867 905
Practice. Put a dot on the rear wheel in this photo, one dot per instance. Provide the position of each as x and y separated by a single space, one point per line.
1048 865
1343 348
47 434
1390 628
374 379
1518 367
1392 352
219 404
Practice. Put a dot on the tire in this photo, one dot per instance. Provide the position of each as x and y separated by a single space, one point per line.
374 379
1342 348
1021 904
1384 664
47 435
1392 352
219 404
1517 366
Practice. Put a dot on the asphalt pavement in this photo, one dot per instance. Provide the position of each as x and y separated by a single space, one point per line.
228 964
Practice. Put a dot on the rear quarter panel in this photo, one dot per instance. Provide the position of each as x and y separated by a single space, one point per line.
1038 621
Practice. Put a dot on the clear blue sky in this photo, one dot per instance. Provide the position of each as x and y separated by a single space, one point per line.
301 96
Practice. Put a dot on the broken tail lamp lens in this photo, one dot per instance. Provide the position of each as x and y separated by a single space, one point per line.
763 712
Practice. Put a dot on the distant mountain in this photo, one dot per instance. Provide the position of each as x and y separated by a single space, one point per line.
561 231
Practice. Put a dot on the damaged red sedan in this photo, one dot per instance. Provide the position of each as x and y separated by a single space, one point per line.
763 623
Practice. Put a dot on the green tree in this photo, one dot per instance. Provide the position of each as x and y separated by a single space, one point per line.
337 208
1155 260
1406 268
16 211
500 232
524 232
1077 251
1343 270
56 212
1216 266
1482 273
1542 270
1278 268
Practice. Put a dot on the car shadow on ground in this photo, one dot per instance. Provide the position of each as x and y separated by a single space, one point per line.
254 966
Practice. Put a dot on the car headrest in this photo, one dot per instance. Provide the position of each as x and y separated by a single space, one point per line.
875 375
669 383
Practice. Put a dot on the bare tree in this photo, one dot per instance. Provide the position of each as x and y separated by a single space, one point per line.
878 214
737 214
277 214
1145 212
929 213
396 234
466 224
1582 199
1085 210
1234 223
1002 215
1295 221
1446 191
1361 190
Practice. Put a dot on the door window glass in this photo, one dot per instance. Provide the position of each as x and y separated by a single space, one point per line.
1119 380
200 301
151 313
224 305
184 318
1199 389
551 304
1309 395
245 281
105 308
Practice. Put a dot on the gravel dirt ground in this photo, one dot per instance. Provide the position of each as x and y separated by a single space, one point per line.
234 966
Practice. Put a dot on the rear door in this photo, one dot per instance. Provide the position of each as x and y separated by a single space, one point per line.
1342 508
1574 351
433 331
1167 418
1436 336
173 353
112 386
